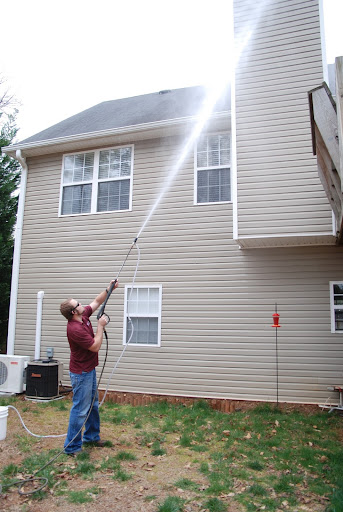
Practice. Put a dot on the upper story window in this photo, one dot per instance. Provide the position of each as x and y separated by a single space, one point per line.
97 181
336 305
212 169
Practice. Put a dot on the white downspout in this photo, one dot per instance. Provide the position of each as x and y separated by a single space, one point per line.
16 255
40 296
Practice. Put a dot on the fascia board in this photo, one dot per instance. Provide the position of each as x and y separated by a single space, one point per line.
124 134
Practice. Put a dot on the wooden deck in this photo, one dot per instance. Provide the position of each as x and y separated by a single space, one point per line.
327 138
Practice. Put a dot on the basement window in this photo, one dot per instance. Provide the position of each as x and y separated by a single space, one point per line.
336 305
212 169
142 315
97 181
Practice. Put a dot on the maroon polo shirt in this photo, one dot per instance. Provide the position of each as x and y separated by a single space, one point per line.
81 337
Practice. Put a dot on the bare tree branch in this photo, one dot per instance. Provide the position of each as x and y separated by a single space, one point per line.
7 100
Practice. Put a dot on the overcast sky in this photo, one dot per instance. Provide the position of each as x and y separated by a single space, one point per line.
60 58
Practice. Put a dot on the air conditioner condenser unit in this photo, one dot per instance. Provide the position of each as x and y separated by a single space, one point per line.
12 373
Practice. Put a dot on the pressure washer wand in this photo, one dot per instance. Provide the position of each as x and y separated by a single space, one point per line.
111 288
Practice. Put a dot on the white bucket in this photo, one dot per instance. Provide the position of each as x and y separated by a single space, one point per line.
3 422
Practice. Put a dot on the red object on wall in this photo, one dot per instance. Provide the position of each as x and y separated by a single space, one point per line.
276 317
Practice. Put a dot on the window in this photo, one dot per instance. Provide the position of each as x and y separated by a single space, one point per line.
143 315
336 304
97 181
212 161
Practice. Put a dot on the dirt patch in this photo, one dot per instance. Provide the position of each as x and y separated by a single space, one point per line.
152 478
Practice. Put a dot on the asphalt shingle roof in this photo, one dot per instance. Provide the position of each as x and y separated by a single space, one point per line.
147 108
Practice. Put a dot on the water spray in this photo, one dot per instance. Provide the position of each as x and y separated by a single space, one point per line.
111 288
203 118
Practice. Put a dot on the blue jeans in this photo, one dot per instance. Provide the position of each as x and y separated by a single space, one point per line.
84 388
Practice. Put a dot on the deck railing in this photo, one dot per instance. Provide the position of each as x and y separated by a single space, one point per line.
327 138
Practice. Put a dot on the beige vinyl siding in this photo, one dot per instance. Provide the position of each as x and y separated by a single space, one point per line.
278 188
217 300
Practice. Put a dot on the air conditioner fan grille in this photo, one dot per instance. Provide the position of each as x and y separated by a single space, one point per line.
3 373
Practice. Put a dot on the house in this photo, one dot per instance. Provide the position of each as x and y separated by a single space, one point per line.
244 228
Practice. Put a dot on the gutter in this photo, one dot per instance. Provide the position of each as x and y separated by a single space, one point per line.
123 130
16 255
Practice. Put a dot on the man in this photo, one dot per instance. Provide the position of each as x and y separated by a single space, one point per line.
84 348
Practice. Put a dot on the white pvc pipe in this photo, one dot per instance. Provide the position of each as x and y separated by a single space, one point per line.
16 255
40 296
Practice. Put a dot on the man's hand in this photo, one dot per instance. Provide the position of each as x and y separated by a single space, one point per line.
102 296
103 320
111 283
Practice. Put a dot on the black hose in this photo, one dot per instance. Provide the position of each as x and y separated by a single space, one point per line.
33 477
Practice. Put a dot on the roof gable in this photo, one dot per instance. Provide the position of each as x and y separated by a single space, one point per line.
138 110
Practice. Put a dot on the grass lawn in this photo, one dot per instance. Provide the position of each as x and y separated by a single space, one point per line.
190 458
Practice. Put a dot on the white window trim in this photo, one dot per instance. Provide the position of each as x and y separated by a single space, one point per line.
128 288
333 307
196 169
95 181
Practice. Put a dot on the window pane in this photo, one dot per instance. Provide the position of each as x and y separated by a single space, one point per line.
114 171
115 163
339 319
79 161
144 301
224 141
213 159
202 160
87 174
213 194
104 157
154 301
126 154
78 174
76 199
132 304
125 169
69 162
213 186
213 178
113 195
130 324
213 151
225 157
338 293
203 177
213 143
145 330
202 144
68 176
89 159
78 168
